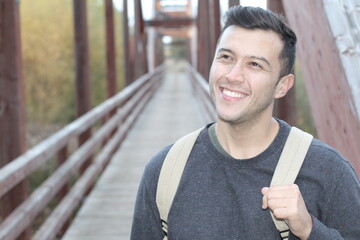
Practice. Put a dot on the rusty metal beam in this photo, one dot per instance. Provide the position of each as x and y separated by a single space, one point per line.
203 34
175 32
110 49
285 108
208 14
140 42
129 62
275 6
152 35
12 106
82 66
328 88
233 3
215 28
12 112
82 57
189 51
159 51
170 22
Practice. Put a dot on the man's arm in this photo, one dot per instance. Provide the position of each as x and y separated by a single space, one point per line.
146 221
340 216
342 211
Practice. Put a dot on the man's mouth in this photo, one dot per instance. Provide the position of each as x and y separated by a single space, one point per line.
233 94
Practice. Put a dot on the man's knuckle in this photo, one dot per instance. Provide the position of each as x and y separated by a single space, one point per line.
271 203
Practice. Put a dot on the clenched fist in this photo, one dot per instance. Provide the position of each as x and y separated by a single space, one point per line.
287 203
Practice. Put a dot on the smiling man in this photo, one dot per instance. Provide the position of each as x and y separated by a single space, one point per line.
244 81
224 190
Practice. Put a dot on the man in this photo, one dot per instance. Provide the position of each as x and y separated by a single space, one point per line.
224 191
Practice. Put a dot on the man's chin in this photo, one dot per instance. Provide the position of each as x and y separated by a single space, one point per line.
229 119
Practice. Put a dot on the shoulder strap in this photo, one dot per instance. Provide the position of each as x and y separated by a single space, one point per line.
286 171
170 174
288 167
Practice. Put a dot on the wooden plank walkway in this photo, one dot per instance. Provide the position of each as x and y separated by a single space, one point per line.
107 212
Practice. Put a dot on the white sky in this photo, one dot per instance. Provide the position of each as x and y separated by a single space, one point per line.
147 4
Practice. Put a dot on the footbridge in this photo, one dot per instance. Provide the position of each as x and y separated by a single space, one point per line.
97 160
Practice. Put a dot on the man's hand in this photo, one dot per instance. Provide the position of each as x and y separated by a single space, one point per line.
286 202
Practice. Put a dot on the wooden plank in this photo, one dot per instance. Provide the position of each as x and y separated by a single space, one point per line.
327 85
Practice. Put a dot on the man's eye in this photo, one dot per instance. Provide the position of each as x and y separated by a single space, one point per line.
255 64
226 57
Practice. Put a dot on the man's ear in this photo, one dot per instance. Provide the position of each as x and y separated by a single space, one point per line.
284 85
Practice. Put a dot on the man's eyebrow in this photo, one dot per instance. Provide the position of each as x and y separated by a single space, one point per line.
224 50
261 59
251 57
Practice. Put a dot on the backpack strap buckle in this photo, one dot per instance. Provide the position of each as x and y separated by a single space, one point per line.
285 234
164 227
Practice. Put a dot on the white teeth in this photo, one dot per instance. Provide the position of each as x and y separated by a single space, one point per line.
233 94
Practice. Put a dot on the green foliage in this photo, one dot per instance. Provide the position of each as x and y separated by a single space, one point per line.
304 115
47 43
96 19
119 45
96 31
48 58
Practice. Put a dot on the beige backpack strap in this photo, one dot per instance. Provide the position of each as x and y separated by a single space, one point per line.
288 167
286 171
170 174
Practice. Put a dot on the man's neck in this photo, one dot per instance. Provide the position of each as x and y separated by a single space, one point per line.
244 141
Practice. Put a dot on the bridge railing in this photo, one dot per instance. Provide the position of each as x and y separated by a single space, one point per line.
112 118
202 93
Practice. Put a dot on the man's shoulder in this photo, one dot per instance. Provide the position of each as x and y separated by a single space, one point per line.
323 150
155 163
327 157
323 156
153 167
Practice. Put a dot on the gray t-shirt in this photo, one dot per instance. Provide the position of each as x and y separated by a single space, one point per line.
219 197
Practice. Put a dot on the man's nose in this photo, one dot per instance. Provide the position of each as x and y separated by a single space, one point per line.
236 73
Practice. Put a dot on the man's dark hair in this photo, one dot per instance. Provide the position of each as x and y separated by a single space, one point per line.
258 18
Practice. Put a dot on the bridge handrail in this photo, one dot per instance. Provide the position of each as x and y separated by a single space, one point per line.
131 100
65 208
18 169
202 91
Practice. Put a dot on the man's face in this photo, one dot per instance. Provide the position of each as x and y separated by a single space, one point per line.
244 74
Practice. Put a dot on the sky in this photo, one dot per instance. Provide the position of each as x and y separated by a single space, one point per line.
147 4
